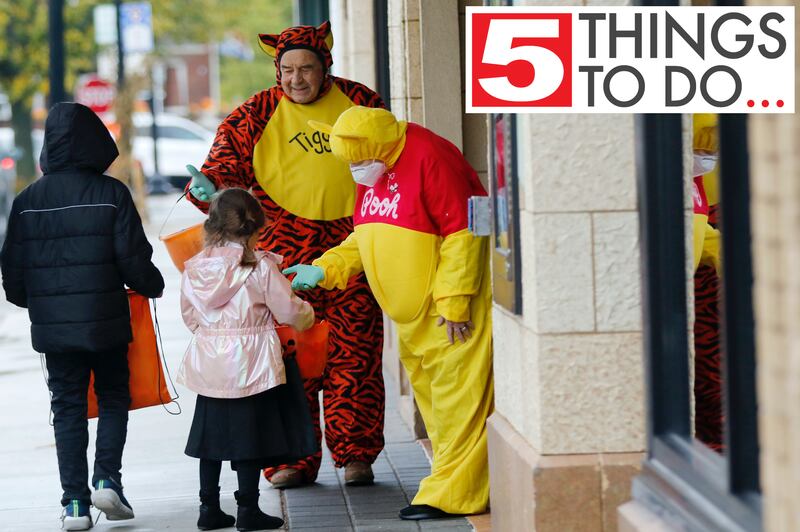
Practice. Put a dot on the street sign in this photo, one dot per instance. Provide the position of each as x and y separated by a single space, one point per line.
95 93
105 24
136 20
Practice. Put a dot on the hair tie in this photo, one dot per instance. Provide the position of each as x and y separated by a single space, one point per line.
247 227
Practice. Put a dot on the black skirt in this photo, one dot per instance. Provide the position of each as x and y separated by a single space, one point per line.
270 428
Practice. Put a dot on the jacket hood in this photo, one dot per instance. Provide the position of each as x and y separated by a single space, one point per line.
215 274
75 138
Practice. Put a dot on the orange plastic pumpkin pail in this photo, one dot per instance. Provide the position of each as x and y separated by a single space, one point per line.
184 244
310 348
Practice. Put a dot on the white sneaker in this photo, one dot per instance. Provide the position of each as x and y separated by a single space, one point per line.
109 499
76 516
77 523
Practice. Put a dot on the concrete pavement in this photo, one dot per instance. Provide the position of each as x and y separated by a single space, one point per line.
160 481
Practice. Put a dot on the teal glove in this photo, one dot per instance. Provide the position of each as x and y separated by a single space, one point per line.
307 276
201 187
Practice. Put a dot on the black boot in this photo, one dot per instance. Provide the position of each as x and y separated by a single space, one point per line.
211 515
250 517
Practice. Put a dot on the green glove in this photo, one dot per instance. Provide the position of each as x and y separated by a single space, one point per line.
201 187
307 276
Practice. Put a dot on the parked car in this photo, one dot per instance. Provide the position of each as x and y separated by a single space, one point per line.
180 142
9 154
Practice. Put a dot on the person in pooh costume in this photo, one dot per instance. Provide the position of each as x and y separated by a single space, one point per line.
430 275
266 145
704 176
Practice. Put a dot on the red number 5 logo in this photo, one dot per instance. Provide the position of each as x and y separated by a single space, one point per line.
521 59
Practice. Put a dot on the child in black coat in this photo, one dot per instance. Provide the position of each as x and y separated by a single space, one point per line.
74 241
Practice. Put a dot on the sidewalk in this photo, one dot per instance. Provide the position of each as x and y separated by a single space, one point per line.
160 481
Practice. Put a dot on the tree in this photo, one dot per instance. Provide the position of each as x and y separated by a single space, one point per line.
23 69
210 21
242 79
24 61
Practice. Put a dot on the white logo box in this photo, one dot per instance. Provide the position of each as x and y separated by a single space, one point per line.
761 81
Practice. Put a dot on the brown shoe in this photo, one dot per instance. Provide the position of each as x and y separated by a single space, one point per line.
287 478
358 474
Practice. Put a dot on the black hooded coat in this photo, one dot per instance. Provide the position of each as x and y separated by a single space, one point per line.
75 240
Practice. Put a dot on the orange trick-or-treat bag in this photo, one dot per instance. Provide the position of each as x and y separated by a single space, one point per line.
147 384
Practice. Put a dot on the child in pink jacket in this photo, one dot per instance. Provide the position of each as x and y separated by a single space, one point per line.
251 409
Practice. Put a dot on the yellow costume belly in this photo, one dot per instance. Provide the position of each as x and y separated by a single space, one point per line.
706 243
400 265
294 165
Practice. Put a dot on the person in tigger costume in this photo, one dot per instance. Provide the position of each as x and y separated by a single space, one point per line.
266 145
431 276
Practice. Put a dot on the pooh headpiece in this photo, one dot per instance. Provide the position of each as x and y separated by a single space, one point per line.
706 134
365 133
316 39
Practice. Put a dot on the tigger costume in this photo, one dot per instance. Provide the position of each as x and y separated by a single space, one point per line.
266 145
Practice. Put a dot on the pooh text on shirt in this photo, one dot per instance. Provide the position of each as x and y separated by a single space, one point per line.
379 207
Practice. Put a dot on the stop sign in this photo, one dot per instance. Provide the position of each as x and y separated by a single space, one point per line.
95 93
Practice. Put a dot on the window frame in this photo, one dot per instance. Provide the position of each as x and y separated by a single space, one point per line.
681 479
380 11
506 261
311 12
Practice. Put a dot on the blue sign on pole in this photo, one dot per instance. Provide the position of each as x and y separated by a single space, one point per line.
136 20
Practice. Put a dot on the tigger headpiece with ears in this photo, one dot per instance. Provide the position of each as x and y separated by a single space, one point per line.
317 39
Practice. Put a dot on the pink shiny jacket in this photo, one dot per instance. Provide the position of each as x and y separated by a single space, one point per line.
232 312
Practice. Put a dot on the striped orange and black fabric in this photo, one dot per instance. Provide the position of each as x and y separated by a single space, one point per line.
708 356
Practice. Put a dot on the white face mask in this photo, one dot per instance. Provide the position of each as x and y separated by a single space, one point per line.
367 173
703 164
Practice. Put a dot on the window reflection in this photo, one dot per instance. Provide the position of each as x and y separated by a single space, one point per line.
506 282
708 419
500 156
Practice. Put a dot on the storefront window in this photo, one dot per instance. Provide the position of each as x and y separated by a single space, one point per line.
505 213
683 479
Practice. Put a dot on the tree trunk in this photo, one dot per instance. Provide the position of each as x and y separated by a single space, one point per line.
127 172
22 123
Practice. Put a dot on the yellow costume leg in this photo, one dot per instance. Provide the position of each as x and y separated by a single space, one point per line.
454 388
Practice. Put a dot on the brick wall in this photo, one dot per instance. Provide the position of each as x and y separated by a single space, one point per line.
775 187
